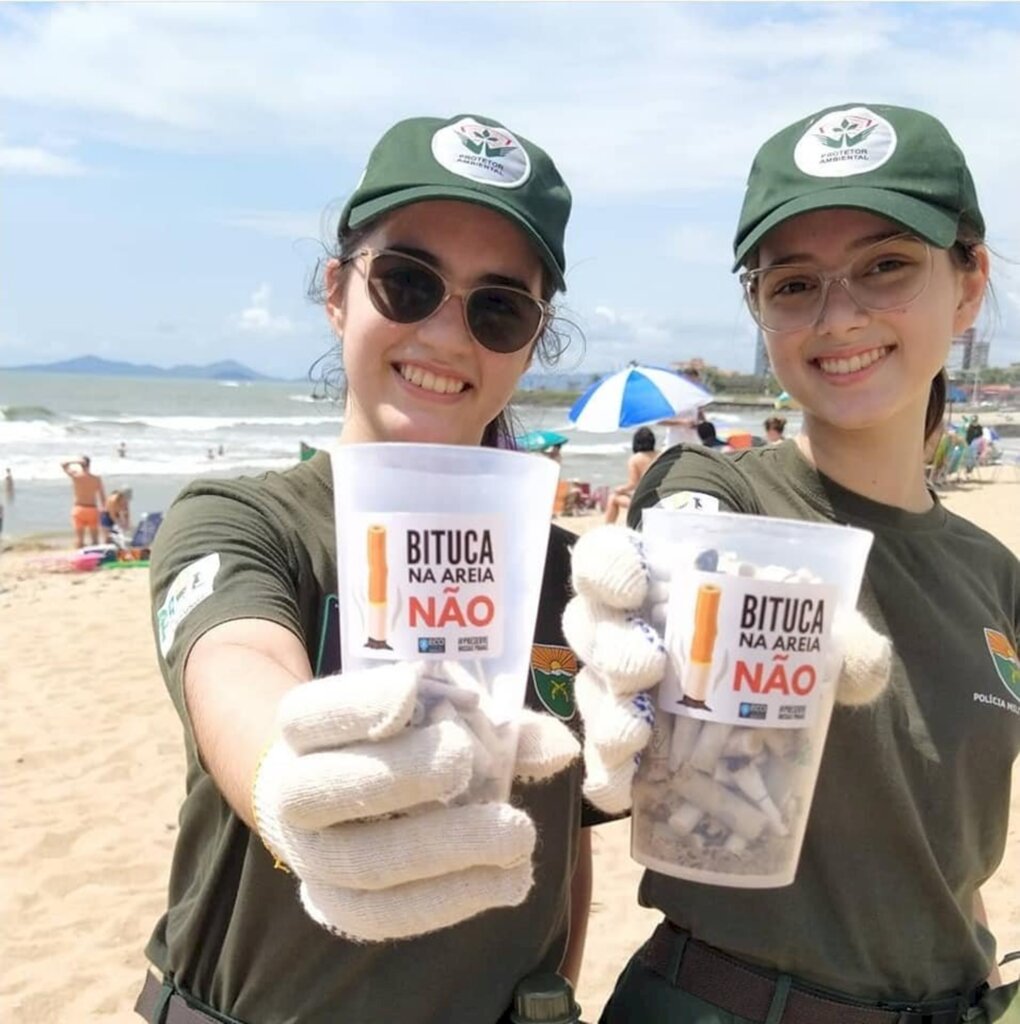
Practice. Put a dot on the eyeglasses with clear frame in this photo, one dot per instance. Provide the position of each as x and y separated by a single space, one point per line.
888 275
407 290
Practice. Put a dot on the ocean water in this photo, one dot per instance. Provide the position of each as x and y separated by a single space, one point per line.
173 431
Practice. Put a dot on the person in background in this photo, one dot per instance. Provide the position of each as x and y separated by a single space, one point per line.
122 450
707 435
116 515
682 428
974 430
89 498
861 243
554 452
568 493
8 486
387 904
643 449
774 427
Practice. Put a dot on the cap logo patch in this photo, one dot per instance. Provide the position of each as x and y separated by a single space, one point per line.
845 142
482 153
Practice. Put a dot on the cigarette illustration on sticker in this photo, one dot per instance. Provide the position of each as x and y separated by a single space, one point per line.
377 590
697 674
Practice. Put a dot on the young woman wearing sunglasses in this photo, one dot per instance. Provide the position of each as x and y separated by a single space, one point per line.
861 242
450 251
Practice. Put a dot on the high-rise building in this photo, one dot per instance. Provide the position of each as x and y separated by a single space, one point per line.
761 355
967 353
979 355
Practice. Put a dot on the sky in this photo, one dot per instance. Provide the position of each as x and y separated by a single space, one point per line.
168 173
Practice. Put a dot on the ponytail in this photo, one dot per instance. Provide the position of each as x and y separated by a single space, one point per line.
936 405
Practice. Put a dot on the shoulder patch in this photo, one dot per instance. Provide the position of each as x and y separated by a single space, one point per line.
1004 657
191 586
552 674
689 501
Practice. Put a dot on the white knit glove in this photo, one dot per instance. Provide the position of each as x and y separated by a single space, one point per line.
624 656
354 797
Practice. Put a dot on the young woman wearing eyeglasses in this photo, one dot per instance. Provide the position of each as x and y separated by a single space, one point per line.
450 251
861 243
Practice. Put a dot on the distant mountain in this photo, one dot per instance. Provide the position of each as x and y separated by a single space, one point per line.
226 369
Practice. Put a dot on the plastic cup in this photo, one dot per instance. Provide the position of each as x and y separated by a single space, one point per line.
440 559
723 792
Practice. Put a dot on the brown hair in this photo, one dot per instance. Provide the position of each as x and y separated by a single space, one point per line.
327 371
776 423
961 253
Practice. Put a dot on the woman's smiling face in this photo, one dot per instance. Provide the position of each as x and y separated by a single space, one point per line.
430 381
854 368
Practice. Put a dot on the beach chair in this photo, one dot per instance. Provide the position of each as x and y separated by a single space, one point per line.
1004 463
584 498
145 531
137 548
936 471
954 464
560 500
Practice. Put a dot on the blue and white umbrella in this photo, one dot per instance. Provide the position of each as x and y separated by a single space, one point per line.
635 396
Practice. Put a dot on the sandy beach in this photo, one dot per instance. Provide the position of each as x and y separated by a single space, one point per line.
94 776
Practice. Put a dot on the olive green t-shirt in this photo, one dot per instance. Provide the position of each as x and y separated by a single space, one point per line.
910 813
235 935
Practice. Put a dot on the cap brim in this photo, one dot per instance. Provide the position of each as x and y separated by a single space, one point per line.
931 223
365 212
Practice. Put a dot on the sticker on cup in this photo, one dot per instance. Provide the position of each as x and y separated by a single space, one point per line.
724 789
429 586
747 651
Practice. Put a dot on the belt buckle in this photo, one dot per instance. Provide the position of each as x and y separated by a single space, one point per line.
919 1015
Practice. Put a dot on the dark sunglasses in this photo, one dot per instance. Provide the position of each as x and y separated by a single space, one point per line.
406 290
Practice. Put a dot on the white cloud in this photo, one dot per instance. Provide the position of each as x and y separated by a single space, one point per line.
35 161
281 223
692 89
647 337
701 245
257 317
661 105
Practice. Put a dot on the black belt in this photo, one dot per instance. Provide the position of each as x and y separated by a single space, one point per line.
161 1003
740 989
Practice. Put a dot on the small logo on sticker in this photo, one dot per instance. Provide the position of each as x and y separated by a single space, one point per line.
758 711
191 586
845 142
1004 658
431 645
552 672
482 153
690 501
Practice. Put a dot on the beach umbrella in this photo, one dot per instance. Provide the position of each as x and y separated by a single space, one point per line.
786 401
633 397
539 440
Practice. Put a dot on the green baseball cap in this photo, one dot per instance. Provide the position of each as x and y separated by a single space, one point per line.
473 159
893 161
